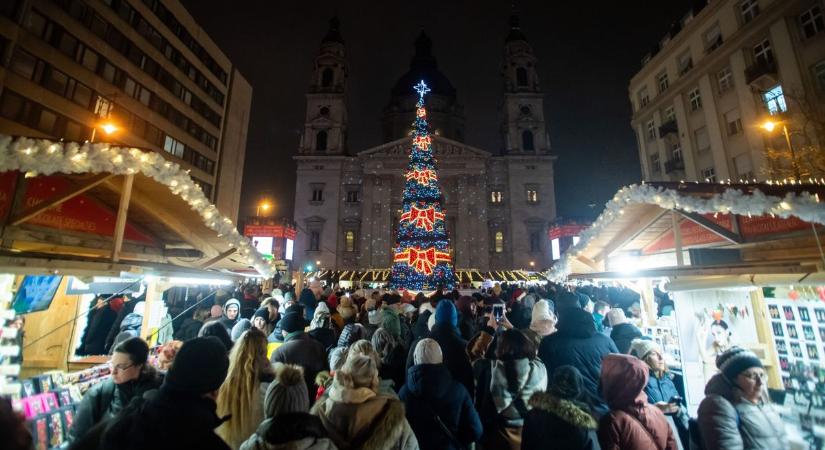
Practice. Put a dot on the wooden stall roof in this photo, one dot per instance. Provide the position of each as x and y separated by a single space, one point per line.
765 244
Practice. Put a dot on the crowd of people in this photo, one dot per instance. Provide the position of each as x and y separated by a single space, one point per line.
505 368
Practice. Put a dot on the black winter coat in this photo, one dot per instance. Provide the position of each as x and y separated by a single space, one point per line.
169 420
304 351
420 329
94 338
558 424
520 316
107 399
578 344
188 330
325 336
454 350
430 390
623 334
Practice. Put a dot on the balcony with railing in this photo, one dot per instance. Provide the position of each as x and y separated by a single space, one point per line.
762 74
669 127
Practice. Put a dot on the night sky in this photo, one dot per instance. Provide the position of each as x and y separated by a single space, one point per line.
587 51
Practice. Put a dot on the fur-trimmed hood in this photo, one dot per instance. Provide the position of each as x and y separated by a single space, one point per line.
563 409
376 423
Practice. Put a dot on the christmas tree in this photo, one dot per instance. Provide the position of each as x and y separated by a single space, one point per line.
421 259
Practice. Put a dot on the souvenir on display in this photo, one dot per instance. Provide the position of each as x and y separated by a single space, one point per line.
788 312
773 311
44 382
56 437
820 315
803 314
808 332
68 418
777 329
65 397
792 331
781 347
28 387
784 364
33 405
812 352
40 433
796 350
51 401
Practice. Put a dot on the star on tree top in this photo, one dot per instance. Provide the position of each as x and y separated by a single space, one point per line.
422 88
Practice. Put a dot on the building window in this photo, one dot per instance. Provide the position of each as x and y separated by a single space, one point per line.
676 152
173 146
713 39
724 78
819 74
775 100
655 167
527 140
702 140
644 99
326 77
535 241
317 194
685 63
695 99
744 166
321 140
499 242
352 196
521 77
532 195
314 241
734 122
670 114
349 241
762 52
496 197
811 22
651 130
749 9
324 111
662 81
709 174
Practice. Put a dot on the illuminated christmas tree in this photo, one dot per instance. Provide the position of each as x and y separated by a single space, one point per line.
421 259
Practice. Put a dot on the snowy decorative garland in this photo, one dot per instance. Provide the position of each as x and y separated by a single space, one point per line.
43 157
805 206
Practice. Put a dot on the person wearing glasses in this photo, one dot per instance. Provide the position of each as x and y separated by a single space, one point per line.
736 412
131 377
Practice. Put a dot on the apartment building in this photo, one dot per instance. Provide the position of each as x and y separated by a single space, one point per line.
723 70
67 67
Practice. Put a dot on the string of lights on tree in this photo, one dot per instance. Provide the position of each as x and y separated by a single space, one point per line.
43 157
421 258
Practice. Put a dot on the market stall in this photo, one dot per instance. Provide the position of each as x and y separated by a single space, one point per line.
742 264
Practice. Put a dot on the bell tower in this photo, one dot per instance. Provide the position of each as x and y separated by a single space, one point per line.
325 127
523 125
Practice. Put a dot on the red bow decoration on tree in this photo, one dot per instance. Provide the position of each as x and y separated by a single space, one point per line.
421 260
422 218
422 142
423 177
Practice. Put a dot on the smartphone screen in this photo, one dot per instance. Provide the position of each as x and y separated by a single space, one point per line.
498 312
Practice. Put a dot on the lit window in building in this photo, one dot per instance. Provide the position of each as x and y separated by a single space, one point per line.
173 146
532 196
555 249
750 9
775 100
695 99
499 238
812 22
496 197
725 79
349 239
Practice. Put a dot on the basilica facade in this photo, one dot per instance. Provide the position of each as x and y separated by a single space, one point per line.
499 201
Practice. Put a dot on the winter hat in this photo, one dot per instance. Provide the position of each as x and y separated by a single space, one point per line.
567 383
358 293
262 313
322 307
292 322
230 303
218 331
239 329
426 306
288 392
346 308
445 312
391 322
567 300
332 301
584 299
200 367
351 333
374 317
518 294
736 360
337 356
616 317
370 304
321 318
427 351
543 321
641 347
383 342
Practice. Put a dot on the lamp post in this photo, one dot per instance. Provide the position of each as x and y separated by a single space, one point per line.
769 126
262 206
108 128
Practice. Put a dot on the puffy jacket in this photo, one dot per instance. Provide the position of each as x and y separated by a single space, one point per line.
623 334
729 422
430 390
576 343
504 388
558 424
291 431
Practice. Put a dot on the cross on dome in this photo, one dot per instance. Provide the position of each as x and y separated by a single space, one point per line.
422 88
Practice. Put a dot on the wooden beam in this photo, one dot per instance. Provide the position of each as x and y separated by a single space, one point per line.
589 262
714 227
677 239
630 232
218 258
46 240
48 204
122 212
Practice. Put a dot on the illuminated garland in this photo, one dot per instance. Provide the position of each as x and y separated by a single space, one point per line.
421 259
39 156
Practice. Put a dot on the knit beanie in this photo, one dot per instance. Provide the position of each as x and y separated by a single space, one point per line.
374 317
288 392
262 313
542 321
232 303
391 322
240 328
567 383
200 367
641 347
445 312
427 351
616 317
567 300
292 322
346 308
337 356
736 360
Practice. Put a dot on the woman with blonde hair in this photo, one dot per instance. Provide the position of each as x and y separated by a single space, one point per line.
241 396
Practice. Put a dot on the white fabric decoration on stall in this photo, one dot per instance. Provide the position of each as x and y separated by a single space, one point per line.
43 157
805 206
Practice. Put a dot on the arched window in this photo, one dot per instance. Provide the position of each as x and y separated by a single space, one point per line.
326 77
321 140
521 76
499 242
527 140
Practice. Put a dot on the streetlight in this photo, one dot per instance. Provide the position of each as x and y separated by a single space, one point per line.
108 128
532 264
771 125
262 206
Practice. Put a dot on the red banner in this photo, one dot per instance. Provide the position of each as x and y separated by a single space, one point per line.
566 231
276 231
